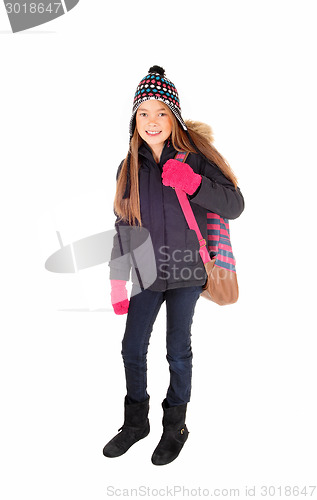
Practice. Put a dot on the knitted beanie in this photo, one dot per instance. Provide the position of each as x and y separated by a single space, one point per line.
155 85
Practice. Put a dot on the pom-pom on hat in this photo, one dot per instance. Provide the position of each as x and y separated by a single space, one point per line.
155 85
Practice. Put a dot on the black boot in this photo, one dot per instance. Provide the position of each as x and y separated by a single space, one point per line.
175 433
136 426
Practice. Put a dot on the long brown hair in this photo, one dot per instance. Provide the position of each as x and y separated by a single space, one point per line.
128 209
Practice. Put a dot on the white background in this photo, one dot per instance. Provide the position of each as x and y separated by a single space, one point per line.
248 69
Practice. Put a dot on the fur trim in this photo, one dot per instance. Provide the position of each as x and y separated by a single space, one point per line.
201 128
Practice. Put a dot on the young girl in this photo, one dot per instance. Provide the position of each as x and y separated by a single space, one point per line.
145 198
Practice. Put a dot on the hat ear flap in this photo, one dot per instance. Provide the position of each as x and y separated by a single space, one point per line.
133 124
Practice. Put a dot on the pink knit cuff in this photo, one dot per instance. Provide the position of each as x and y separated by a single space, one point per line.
117 283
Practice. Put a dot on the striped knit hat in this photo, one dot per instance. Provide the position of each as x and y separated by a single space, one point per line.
154 85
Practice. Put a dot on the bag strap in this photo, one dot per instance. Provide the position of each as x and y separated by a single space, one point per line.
189 215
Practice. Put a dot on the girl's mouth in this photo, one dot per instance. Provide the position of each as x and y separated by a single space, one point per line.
149 132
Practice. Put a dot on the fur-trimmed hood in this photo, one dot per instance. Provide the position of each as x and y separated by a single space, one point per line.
201 128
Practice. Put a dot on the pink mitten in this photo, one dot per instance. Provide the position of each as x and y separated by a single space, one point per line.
180 175
119 296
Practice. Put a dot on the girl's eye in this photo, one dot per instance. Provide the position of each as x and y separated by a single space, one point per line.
145 114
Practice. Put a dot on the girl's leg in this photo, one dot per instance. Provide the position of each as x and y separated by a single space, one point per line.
180 307
143 310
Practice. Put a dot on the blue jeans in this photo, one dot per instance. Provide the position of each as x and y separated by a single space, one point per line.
143 310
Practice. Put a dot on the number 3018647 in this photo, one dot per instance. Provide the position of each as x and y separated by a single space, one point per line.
32 8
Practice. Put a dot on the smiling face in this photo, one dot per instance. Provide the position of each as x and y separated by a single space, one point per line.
154 124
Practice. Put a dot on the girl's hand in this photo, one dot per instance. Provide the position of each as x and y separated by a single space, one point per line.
119 296
180 175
